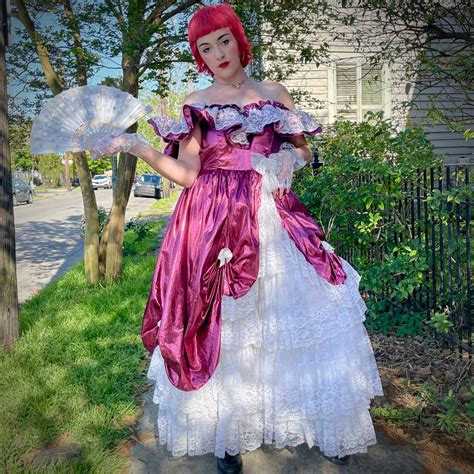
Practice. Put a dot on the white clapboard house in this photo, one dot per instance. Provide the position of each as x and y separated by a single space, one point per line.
347 87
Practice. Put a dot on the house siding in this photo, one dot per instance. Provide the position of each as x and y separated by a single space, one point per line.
318 82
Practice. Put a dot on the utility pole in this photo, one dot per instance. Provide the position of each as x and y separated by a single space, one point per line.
67 159
9 324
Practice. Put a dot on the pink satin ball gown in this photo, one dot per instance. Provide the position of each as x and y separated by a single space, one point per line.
254 323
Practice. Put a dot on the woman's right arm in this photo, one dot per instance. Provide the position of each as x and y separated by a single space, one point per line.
183 170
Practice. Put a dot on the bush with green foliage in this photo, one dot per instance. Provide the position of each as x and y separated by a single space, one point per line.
358 198
103 215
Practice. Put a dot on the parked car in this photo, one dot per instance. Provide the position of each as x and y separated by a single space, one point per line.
101 181
75 182
135 179
148 185
22 192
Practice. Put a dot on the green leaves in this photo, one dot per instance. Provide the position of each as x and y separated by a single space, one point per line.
361 199
441 322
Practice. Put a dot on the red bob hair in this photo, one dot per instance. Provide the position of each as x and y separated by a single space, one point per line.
212 18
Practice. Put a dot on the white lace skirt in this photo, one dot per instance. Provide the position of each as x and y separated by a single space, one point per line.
296 364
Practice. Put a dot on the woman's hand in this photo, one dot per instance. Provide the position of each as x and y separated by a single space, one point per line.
276 169
109 144
288 159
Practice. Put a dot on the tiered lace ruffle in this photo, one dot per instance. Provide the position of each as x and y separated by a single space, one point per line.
250 119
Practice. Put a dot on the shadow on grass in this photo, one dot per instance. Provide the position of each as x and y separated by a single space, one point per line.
76 372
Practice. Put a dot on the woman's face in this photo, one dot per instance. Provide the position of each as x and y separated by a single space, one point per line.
220 51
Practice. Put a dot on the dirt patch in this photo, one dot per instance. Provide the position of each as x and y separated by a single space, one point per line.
427 388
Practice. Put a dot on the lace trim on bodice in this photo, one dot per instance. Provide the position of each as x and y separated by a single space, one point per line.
251 119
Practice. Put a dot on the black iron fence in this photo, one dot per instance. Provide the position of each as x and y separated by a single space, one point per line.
441 217
434 208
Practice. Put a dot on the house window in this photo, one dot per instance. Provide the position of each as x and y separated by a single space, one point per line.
358 89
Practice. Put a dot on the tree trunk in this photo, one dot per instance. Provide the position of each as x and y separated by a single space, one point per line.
165 182
91 239
91 217
125 174
103 247
9 324
67 172
165 187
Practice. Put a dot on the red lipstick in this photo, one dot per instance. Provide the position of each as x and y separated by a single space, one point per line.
223 65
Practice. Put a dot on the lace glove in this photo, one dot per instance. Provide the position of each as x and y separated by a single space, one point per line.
279 167
109 144
290 161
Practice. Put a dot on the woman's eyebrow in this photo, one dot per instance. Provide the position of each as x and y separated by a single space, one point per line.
220 37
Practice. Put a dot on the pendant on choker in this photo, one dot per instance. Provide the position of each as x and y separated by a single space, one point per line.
233 84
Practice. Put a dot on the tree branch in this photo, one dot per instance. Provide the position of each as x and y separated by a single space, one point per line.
51 77
179 9
81 69
443 34
158 10
117 13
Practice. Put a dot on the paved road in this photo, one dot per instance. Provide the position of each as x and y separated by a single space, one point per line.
48 240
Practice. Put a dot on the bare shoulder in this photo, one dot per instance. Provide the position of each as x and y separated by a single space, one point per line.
200 95
195 96
278 92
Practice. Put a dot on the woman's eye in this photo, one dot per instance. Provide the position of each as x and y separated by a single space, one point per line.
205 50
226 41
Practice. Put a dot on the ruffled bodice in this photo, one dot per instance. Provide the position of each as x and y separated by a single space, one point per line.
211 247
230 133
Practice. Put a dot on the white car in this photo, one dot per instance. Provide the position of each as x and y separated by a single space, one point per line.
101 181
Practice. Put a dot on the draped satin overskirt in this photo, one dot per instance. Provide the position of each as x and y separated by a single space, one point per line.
183 313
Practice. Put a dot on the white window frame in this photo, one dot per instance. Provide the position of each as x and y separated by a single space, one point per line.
332 88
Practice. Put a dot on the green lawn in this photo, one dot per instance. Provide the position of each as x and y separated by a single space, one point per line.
48 189
162 207
76 372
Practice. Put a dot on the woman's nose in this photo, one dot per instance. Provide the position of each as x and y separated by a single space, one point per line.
219 53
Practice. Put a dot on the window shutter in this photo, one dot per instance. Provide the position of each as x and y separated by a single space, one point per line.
371 89
346 91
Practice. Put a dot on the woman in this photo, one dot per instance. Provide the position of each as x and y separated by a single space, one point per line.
255 324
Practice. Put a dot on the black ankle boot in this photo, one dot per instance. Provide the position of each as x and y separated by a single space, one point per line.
230 464
340 461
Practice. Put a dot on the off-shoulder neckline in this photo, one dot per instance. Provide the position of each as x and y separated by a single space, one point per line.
257 104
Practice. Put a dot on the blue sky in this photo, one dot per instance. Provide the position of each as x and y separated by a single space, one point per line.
110 66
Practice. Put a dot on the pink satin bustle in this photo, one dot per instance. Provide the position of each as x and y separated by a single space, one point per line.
211 244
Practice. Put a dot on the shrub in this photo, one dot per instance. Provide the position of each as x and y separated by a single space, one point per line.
359 197
103 215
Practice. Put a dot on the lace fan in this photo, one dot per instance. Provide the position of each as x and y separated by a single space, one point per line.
74 119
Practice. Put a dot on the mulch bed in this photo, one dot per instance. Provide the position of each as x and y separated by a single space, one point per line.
405 365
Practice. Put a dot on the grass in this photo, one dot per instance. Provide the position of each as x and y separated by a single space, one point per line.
76 372
162 207
41 188
41 192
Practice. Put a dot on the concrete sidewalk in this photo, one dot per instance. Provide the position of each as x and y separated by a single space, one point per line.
147 456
